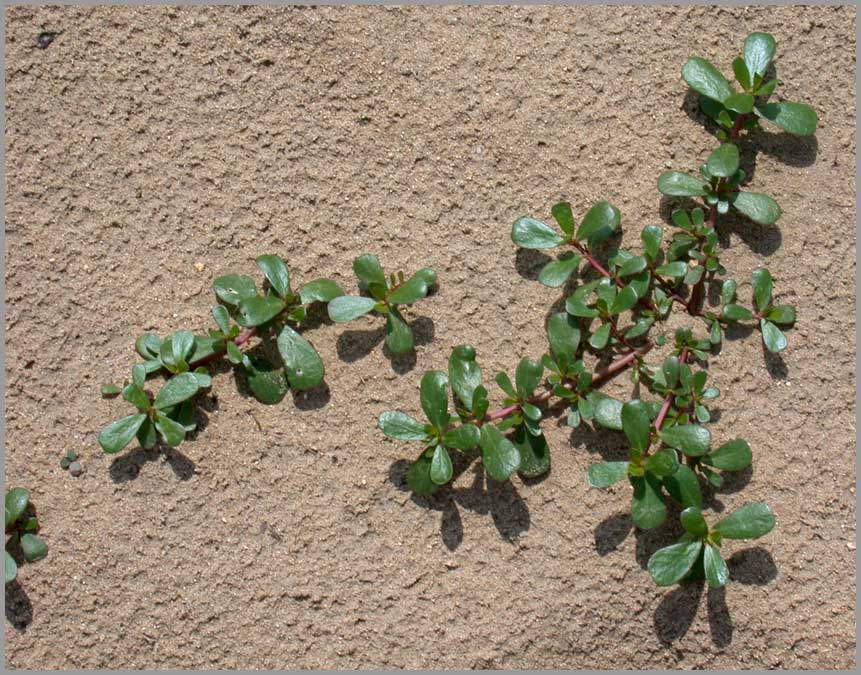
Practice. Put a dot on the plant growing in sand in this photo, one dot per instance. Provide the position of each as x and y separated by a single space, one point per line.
274 315
20 532
618 301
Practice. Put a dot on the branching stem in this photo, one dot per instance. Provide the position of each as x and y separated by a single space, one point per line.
668 400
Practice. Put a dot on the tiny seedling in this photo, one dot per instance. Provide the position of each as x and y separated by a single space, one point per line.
613 309
285 360
20 532
68 457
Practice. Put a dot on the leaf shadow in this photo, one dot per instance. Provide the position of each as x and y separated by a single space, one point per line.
501 501
752 566
312 399
353 345
675 613
774 364
720 622
611 532
19 609
128 466
529 261
611 445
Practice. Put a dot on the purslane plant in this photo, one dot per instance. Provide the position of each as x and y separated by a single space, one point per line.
611 312
275 316
21 531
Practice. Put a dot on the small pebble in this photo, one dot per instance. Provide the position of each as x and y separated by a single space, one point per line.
76 469
199 266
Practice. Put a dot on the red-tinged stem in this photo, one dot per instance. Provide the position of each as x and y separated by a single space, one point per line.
593 261
597 377
245 336
668 400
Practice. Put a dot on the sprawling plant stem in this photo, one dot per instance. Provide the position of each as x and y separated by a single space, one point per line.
598 377
668 400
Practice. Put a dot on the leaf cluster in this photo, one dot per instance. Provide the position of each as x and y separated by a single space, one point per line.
21 528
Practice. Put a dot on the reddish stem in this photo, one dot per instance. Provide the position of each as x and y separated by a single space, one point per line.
246 335
597 377
668 401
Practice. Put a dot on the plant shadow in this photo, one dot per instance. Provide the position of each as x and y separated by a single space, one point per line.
128 466
353 345
312 399
677 610
611 445
484 496
19 609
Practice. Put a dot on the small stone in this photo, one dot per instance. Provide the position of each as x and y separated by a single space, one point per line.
76 469
199 266
850 545
451 564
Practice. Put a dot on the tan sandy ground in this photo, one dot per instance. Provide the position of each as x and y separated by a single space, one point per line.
141 142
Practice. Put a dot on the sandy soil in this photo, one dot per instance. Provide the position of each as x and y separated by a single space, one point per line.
141 142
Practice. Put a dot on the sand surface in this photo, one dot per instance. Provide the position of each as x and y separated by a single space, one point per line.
151 150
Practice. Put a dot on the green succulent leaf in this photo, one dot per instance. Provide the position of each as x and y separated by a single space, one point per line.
11 568
637 424
504 383
736 313
624 300
464 374
276 273
414 289
33 547
742 75
691 439
705 79
663 463
119 433
258 310
401 427
759 208
500 457
434 398
146 435
751 521
599 339
440 469
606 474
302 363
148 346
651 237
599 223
527 377
678 184
634 265
684 487
608 411
232 289
399 336
176 390
110 390
555 273
267 383
349 307
693 522
534 453
563 215
758 53
464 437
781 314
647 505
731 456
723 161
16 503
319 290
796 118
368 270
762 287
774 339
173 432
531 233
136 396
563 333
740 103
670 564
676 269
717 573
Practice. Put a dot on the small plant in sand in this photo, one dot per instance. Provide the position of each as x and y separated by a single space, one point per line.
275 315
21 528
618 301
